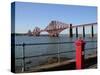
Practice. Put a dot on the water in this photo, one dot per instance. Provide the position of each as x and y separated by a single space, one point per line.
33 50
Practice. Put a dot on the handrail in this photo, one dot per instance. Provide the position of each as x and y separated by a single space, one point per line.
52 53
48 43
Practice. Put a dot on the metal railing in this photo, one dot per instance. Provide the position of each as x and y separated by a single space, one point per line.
58 58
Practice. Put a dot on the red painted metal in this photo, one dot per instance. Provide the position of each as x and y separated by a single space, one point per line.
54 28
80 45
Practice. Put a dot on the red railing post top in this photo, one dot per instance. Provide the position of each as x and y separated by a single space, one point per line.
79 42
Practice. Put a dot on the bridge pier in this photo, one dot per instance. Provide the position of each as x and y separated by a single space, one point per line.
55 35
70 31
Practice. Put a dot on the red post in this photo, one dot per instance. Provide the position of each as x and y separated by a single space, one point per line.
80 44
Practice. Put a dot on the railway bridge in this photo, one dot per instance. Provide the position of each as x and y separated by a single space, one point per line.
54 28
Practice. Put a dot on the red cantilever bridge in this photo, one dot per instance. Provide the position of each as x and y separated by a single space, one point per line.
53 29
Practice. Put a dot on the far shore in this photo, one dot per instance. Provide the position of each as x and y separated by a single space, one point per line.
22 34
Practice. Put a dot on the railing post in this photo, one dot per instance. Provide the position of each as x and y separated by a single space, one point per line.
76 31
83 31
23 57
70 31
92 31
79 44
58 52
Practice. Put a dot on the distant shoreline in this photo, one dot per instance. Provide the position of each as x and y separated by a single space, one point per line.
23 34
19 34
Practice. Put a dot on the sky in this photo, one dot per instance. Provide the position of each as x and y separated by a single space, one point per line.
29 15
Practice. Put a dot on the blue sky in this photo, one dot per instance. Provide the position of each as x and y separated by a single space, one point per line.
29 15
